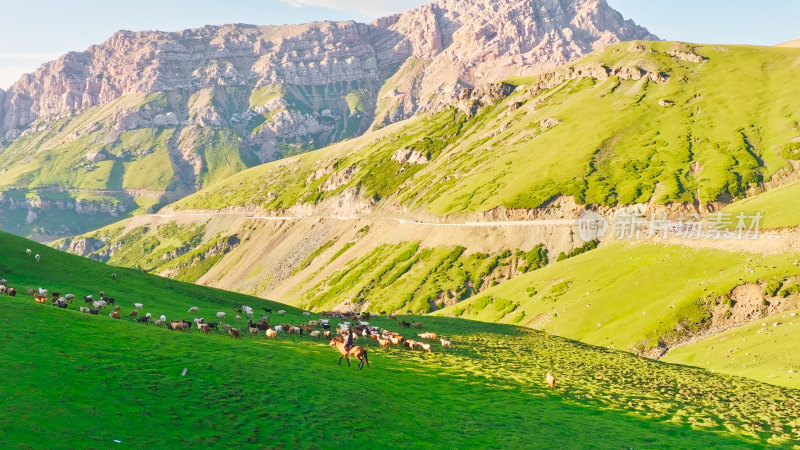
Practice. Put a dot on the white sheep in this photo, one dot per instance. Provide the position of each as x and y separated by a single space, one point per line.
364 324
163 318
160 322
28 251
138 305
193 309
306 313
37 257
221 315
42 291
69 297
148 315
446 343
281 313
84 309
314 334
238 317
278 328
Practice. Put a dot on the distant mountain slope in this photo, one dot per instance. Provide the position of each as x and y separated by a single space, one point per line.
643 122
661 126
149 117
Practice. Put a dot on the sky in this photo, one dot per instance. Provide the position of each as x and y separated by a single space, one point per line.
35 31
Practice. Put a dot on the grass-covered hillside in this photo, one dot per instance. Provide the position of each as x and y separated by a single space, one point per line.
101 380
763 350
141 151
637 297
665 122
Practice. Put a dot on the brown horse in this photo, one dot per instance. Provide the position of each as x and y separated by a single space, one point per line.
356 350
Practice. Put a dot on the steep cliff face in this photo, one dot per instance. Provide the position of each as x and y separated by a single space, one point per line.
170 113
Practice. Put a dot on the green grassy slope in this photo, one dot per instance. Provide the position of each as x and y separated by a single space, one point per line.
699 136
120 380
405 277
623 295
756 351
778 207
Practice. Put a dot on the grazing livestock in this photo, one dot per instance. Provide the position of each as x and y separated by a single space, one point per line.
226 327
306 313
356 350
39 298
42 291
28 251
94 312
551 380
314 334
396 340
113 276
267 310
113 314
30 291
405 324
446 343
327 334
384 343
177 325
109 300
417 324
159 322
84 309
37 257
221 315
12 292
278 328
62 305
238 318
234 333
133 313
428 335
143 319
88 299
3 282
271 333
204 328
425 347
163 318
69 298
138 305
2 289
193 309
253 331
313 323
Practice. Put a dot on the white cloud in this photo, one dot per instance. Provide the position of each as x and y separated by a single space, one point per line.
369 8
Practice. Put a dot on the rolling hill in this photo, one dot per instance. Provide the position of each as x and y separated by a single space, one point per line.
289 391
678 135
149 117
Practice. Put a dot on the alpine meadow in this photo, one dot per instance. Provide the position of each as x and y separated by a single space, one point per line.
472 224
